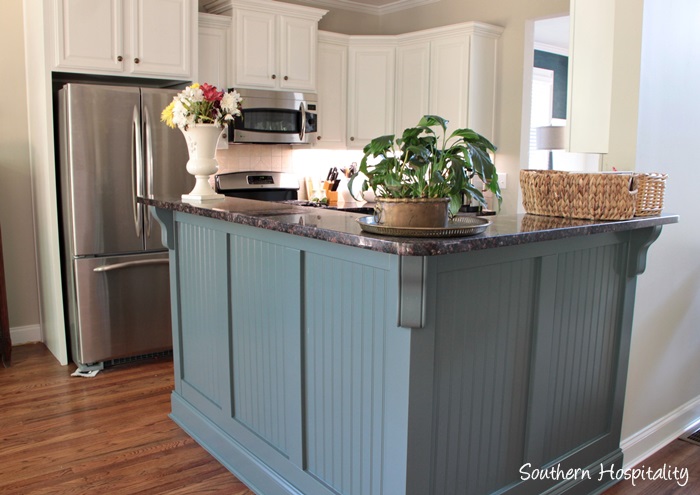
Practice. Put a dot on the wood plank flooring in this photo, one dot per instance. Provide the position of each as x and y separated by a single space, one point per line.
111 434
676 454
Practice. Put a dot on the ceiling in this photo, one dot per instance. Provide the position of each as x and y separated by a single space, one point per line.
375 7
553 33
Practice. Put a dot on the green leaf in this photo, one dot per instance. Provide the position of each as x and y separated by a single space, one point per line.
433 120
455 204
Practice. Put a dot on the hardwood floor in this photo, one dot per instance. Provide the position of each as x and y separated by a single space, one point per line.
678 454
111 433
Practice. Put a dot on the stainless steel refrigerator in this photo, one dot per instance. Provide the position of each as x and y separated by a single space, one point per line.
114 148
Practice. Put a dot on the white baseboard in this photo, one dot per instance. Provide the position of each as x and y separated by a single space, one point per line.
660 433
25 334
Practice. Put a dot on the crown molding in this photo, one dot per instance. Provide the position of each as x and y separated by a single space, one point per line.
224 6
545 47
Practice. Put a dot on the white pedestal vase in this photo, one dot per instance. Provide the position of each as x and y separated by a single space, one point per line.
201 144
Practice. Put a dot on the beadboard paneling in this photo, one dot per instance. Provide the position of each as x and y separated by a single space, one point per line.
584 347
203 315
259 324
482 366
344 344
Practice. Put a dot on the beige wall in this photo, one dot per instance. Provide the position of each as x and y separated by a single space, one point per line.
345 22
663 387
16 216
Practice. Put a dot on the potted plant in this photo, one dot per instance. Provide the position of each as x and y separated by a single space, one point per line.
421 178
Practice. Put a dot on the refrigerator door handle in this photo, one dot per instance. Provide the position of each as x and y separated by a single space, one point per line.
136 168
148 153
128 264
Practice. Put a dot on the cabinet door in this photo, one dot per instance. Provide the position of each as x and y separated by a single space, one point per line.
212 63
332 95
370 93
297 68
449 80
412 84
89 35
255 49
162 37
590 76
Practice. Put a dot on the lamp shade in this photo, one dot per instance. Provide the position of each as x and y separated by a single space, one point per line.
551 137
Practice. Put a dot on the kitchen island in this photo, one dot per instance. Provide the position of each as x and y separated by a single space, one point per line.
312 358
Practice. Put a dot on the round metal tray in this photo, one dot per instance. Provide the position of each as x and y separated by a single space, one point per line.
456 227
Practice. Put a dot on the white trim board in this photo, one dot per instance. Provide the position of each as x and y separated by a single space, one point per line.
25 334
660 433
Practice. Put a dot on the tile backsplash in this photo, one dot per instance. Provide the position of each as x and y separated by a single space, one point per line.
245 157
300 161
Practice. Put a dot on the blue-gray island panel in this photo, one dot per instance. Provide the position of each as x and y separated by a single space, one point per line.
328 369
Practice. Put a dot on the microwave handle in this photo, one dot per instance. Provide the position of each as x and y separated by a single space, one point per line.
302 127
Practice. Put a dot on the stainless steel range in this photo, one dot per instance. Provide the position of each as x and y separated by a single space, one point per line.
280 187
263 186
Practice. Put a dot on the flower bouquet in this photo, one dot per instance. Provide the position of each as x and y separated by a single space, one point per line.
200 112
202 104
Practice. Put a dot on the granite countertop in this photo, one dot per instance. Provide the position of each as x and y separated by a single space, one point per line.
342 228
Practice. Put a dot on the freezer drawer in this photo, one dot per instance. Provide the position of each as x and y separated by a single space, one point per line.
122 307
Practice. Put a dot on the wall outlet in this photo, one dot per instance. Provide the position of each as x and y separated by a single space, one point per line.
502 180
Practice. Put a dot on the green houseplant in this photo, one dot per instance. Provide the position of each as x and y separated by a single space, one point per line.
425 166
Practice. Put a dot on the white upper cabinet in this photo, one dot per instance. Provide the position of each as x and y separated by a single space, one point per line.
146 38
450 72
89 35
275 45
256 49
332 90
214 42
298 55
449 83
371 76
412 83
162 37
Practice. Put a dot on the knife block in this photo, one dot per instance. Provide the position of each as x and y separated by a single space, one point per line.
331 195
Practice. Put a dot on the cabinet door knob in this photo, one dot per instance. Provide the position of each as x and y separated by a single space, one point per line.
274 76
352 138
286 78
120 58
318 137
136 60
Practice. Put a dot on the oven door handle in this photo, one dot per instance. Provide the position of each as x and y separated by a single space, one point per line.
302 127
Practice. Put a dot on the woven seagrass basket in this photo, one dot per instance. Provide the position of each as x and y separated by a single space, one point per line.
650 198
594 196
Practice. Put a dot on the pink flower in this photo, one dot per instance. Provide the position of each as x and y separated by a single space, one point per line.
210 93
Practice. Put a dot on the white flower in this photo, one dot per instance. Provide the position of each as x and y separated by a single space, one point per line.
196 105
179 114
229 103
191 94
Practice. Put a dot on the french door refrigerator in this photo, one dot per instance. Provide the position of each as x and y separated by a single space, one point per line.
114 148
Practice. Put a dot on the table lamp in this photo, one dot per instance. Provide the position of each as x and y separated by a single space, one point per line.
551 137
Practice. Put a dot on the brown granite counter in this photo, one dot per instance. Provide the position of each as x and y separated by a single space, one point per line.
342 228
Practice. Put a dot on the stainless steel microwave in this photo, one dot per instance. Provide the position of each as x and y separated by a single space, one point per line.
275 117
